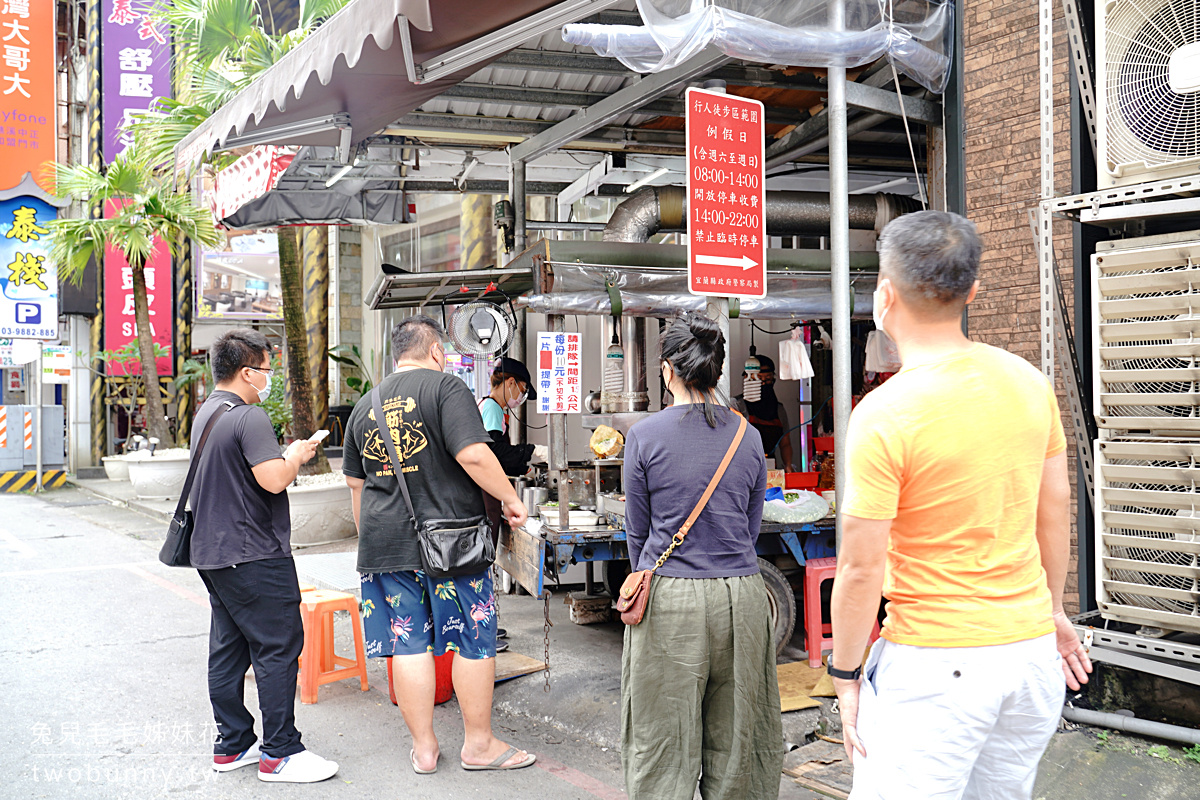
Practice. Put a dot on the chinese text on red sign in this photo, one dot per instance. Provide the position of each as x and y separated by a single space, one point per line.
726 223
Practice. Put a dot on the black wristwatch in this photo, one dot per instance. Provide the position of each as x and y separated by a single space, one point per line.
846 675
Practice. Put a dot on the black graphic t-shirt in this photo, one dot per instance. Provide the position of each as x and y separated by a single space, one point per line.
431 417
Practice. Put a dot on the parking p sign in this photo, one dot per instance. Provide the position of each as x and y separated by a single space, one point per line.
28 280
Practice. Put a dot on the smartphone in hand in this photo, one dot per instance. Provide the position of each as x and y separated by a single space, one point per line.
319 435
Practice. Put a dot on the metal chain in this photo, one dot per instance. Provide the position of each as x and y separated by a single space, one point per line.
546 639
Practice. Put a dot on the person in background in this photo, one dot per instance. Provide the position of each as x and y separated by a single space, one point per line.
511 388
957 510
699 694
767 414
241 545
407 614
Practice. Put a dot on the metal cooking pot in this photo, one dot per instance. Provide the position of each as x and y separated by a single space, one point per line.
532 497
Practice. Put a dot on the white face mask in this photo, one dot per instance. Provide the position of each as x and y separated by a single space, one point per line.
876 314
264 392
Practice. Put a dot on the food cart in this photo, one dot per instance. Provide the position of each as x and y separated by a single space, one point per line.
645 282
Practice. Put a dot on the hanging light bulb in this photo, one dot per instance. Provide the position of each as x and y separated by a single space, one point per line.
751 385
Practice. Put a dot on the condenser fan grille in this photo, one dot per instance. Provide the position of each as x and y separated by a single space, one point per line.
1150 562
1149 329
1149 122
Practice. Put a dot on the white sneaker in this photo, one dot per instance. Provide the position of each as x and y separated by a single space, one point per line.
243 759
302 767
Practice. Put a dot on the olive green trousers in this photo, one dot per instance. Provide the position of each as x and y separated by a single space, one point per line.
699 695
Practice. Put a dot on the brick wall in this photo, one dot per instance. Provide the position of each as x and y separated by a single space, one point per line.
1001 111
350 301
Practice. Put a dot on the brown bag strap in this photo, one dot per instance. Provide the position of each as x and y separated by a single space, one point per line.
677 539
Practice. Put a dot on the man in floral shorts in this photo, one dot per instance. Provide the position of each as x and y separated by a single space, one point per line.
408 616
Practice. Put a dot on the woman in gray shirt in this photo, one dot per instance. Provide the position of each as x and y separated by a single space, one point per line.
700 702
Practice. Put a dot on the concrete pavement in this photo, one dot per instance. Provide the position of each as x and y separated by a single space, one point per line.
104 682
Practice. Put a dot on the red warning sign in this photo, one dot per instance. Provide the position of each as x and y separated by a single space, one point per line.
727 241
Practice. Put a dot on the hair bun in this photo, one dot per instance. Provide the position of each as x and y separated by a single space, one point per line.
704 329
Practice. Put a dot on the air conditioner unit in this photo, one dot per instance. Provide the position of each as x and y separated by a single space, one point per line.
1147 90
1148 510
1146 335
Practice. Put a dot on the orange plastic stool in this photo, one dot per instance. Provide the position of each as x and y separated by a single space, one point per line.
319 664
306 587
818 634
443 670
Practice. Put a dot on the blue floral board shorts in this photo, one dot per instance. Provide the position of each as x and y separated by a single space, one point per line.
408 613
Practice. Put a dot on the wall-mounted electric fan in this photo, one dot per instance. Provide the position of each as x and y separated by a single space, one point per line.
483 325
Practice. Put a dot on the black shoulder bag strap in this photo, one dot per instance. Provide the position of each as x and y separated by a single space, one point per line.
191 476
377 406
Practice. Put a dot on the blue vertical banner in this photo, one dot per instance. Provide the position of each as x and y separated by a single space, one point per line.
28 279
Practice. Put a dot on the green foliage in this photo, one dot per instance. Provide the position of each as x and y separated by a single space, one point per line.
278 409
349 355
195 372
150 210
1163 753
128 357
221 46
1192 753
1102 736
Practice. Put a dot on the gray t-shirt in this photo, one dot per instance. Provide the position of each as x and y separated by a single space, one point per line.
432 417
235 519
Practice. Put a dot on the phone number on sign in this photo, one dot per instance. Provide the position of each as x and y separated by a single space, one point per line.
748 180
31 333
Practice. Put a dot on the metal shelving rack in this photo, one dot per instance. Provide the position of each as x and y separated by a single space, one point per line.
1118 208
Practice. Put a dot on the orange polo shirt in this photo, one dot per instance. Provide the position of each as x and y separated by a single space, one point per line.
952 452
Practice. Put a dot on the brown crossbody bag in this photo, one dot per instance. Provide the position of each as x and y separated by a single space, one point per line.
635 592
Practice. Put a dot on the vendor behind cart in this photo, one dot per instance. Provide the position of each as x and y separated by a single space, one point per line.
767 414
511 387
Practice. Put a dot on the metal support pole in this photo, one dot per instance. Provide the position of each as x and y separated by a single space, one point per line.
717 308
839 238
558 444
38 428
518 201
1045 224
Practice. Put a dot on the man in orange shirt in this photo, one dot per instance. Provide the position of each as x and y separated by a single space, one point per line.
956 510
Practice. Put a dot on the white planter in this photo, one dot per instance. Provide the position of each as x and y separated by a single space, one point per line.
321 513
116 468
159 477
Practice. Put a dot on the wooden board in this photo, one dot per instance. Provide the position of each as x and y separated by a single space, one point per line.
521 554
796 683
820 767
513 665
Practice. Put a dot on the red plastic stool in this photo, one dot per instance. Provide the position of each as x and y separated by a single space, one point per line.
443 670
319 664
818 634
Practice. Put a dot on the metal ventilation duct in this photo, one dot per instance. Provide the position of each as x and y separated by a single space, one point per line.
787 213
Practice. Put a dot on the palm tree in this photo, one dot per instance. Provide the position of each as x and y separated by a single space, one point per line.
220 47
146 211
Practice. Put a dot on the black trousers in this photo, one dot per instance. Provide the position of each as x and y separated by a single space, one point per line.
255 620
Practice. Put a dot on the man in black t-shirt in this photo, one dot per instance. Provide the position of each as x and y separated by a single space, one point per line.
408 616
241 545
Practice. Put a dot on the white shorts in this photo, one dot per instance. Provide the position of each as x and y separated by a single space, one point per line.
943 723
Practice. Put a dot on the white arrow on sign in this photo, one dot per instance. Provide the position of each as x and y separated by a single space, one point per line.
745 262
